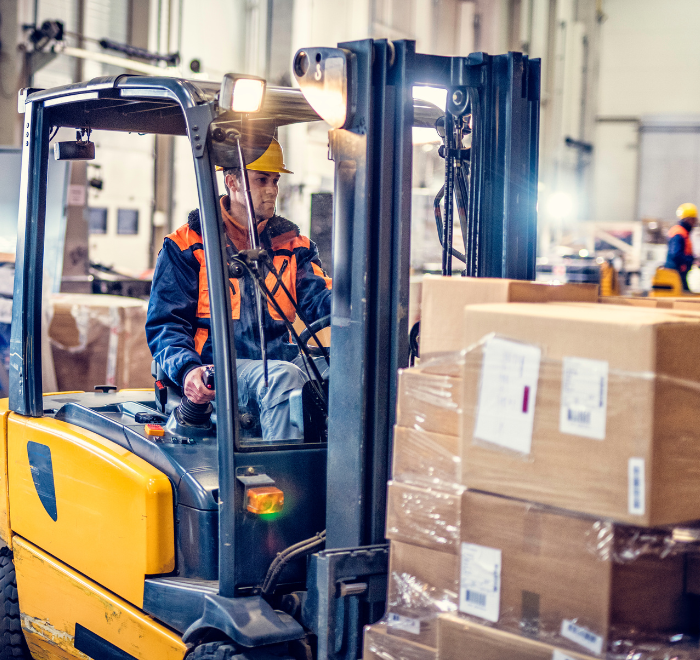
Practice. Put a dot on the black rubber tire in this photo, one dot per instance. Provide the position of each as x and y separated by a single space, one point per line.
12 642
212 651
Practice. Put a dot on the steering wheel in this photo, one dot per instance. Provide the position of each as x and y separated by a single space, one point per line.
316 326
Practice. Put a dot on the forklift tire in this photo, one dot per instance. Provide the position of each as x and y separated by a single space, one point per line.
12 642
212 651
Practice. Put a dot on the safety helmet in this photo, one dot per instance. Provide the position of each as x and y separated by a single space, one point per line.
687 210
271 161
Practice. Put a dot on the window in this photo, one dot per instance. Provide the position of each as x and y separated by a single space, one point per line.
97 221
127 221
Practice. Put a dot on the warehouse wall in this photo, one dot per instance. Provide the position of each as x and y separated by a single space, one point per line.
650 64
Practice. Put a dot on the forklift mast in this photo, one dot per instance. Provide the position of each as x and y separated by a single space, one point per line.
371 257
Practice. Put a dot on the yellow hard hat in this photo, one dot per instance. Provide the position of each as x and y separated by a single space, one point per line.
687 211
271 161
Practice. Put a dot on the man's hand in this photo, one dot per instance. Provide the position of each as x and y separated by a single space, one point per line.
194 388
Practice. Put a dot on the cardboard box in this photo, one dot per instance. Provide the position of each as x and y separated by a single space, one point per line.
99 340
632 302
424 458
423 583
459 639
424 516
444 299
572 580
428 402
378 645
638 459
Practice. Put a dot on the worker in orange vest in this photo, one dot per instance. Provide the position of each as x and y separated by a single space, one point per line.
680 249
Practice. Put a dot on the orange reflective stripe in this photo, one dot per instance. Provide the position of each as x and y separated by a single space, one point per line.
318 271
203 307
287 266
200 338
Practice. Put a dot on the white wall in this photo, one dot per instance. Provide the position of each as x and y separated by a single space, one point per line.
649 64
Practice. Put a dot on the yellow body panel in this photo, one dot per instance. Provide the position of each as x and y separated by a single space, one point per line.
115 511
5 529
666 282
53 598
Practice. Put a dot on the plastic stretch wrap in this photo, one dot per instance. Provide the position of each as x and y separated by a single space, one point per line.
577 433
99 340
378 645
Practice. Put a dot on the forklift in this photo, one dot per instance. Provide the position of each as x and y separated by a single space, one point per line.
198 540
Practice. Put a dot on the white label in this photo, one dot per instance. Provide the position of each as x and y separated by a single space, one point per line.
636 494
560 655
506 410
76 195
584 397
480 582
405 623
582 636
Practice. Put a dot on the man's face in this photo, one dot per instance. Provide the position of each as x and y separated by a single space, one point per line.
264 187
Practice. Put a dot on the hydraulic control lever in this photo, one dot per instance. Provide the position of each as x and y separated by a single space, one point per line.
189 413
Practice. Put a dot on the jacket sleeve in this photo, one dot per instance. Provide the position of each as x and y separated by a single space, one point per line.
677 255
313 287
172 311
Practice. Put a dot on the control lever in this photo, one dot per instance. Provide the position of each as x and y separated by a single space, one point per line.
189 413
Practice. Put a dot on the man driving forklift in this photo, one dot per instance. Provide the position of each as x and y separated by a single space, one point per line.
178 322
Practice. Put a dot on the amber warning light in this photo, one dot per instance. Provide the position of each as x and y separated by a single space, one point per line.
265 499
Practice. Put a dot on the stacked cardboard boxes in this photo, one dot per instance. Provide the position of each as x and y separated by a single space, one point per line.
575 532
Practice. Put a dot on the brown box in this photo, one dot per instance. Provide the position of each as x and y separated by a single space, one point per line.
424 516
557 568
445 297
99 340
424 458
428 402
459 639
378 645
643 469
423 583
628 300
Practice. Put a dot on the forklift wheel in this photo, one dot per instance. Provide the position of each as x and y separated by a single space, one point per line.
212 651
12 642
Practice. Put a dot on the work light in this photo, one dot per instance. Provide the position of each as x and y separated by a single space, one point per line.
325 76
241 93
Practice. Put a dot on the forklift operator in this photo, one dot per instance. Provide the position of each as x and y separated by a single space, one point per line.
178 323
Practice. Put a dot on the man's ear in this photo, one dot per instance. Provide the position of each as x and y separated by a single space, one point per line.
231 182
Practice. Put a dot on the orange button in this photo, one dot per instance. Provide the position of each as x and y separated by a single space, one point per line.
154 429
265 499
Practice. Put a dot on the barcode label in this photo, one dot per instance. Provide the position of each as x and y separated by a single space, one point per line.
507 394
636 487
584 397
475 597
582 636
405 623
480 581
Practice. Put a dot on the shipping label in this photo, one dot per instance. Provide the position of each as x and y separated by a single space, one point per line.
480 581
506 409
405 623
636 486
584 397
582 636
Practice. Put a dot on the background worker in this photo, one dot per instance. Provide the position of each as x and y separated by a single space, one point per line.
178 322
680 248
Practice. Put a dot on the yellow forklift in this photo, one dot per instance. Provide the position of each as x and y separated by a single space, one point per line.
133 530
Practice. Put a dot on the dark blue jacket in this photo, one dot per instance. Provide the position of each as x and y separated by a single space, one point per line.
179 322
680 252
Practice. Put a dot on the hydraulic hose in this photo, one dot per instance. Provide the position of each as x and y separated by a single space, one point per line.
305 547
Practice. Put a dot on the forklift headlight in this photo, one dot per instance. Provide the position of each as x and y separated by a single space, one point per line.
325 76
241 93
265 499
